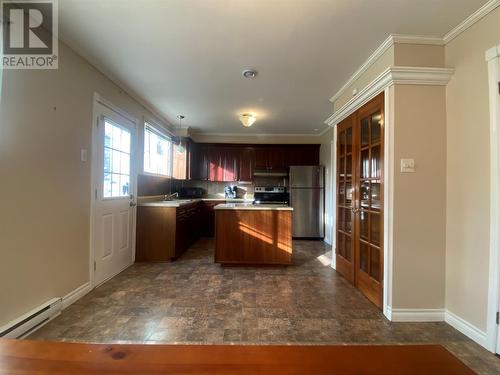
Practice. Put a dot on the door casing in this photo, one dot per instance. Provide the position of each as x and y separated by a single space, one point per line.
387 193
98 101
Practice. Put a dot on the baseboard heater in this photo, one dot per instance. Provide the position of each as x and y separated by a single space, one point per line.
27 323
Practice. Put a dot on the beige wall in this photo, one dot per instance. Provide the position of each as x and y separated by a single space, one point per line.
419 198
467 234
383 62
45 119
325 158
422 55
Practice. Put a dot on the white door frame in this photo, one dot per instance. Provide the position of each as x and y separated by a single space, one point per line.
98 100
492 331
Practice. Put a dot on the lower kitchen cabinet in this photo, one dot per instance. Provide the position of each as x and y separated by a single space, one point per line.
155 235
165 233
208 212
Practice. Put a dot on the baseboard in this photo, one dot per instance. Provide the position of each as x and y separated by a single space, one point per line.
75 295
415 315
468 329
38 317
32 320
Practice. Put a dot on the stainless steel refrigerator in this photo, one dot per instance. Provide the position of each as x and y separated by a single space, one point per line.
307 197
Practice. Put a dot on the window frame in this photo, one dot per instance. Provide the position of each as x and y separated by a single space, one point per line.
154 128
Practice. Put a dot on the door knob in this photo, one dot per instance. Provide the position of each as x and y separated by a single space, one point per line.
133 204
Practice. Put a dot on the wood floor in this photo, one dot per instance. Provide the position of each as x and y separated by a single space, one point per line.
194 301
32 357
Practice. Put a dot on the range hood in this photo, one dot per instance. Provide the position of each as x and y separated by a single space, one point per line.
270 173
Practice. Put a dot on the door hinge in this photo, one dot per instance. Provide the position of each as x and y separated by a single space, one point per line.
499 88
95 266
95 194
498 317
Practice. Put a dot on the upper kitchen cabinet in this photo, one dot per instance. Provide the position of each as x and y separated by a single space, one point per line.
302 155
246 163
230 163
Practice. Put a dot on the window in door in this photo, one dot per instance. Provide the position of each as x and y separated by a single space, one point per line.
116 160
157 152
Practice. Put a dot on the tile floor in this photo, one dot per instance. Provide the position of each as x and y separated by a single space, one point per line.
194 300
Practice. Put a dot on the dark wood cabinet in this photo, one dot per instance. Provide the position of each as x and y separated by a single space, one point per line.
165 233
246 163
188 227
229 163
208 218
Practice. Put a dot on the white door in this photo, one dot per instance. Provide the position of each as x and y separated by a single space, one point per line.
114 181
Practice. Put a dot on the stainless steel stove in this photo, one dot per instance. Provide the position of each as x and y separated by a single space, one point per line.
271 195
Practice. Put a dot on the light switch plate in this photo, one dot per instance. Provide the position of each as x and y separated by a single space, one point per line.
407 165
83 155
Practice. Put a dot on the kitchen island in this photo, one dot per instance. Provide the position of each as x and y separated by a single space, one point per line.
253 234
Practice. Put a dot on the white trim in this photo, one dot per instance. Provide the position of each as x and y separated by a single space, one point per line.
417 39
392 75
417 315
53 309
96 117
471 20
99 99
262 135
334 198
388 202
466 328
75 295
56 305
492 53
493 59
384 46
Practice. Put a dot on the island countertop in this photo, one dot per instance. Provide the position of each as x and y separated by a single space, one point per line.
254 207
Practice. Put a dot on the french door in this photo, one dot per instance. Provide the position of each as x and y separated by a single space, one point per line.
114 183
359 229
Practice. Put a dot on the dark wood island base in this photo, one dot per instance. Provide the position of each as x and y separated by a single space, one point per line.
253 235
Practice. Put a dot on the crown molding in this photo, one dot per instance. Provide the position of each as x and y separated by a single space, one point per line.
417 39
471 20
396 75
260 135
386 44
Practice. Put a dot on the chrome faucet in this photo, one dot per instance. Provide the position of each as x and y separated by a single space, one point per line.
170 197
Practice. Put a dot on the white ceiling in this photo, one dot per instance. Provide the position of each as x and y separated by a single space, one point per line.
186 56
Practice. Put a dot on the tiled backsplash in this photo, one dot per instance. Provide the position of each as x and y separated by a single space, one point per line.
148 185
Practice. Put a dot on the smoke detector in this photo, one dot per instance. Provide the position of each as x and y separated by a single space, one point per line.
249 73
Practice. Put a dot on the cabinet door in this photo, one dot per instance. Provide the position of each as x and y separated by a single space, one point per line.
199 162
261 158
214 162
246 164
276 157
230 167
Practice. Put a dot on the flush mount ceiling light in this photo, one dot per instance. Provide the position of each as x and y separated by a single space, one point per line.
249 73
247 119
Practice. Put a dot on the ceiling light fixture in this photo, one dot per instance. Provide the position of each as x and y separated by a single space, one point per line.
247 119
249 73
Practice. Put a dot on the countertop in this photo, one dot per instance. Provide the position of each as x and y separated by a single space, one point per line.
255 207
182 202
